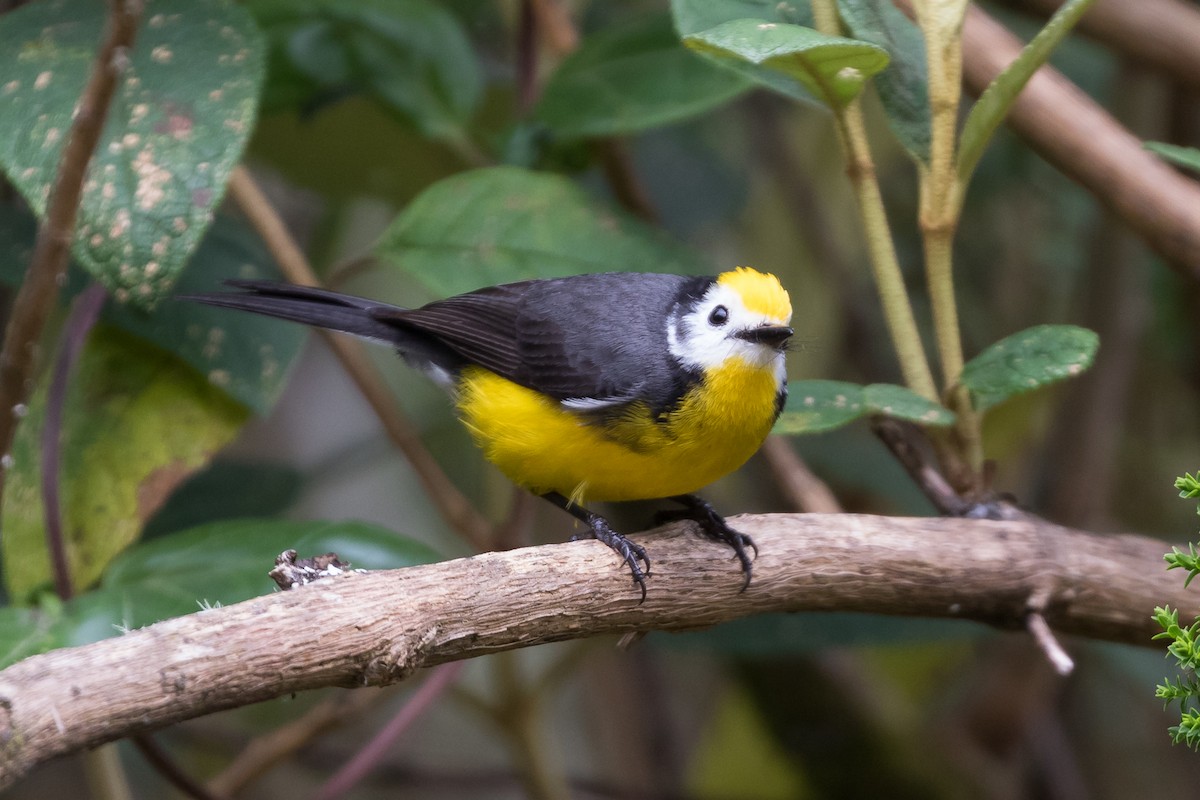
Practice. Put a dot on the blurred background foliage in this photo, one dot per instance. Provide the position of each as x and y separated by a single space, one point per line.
375 122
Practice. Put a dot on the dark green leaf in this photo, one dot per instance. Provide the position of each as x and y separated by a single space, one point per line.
693 16
27 631
766 635
246 355
223 563
904 85
180 118
1180 156
137 422
631 78
898 402
505 224
410 55
220 492
1027 360
832 68
815 406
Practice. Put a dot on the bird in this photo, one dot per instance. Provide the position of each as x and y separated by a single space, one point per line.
601 387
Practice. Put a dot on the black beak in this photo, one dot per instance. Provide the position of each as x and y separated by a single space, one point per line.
774 335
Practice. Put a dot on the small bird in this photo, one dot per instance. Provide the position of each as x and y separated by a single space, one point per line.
598 387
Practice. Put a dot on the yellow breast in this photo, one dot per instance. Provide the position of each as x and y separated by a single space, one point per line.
539 445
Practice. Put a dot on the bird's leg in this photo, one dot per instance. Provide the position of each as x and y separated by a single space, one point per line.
714 526
634 554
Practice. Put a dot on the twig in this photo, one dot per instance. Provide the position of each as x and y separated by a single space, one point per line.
39 291
804 490
527 58
165 766
348 776
270 749
1058 657
1081 139
84 313
554 23
1162 34
623 179
900 439
389 624
452 503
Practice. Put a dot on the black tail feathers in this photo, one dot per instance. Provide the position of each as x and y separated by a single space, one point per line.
307 305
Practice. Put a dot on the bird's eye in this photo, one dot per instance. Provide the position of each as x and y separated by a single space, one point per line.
719 316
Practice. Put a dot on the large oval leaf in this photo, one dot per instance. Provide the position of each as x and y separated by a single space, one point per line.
505 224
137 422
177 125
832 68
631 78
1029 359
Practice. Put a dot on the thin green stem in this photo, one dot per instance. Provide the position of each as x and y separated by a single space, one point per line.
885 266
941 25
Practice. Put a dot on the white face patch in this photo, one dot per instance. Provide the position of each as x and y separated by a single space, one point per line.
706 336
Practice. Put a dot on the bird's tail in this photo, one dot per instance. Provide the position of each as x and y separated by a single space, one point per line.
308 305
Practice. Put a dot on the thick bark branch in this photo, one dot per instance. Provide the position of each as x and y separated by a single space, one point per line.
1076 135
377 628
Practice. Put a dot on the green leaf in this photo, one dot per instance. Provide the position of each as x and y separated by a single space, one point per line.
248 356
693 16
504 224
137 422
177 125
904 86
898 402
632 78
219 492
222 563
832 68
816 406
28 631
410 55
1027 360
1180 156
993 105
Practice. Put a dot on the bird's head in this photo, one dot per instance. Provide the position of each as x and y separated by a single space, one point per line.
741 314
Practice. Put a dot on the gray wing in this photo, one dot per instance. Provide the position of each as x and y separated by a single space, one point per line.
594 341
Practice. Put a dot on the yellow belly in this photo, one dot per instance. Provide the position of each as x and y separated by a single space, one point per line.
541 446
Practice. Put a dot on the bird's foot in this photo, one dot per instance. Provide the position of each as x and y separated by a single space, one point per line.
633 554
714 526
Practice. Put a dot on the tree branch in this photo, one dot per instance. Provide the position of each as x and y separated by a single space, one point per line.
1081 139
379 627
1161 34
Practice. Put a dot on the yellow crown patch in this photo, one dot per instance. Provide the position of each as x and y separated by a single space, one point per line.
761 292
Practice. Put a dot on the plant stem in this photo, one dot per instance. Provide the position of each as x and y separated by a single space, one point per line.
941 25
80 321
885 266
437 682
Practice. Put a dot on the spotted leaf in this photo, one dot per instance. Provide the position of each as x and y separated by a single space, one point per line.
184 107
